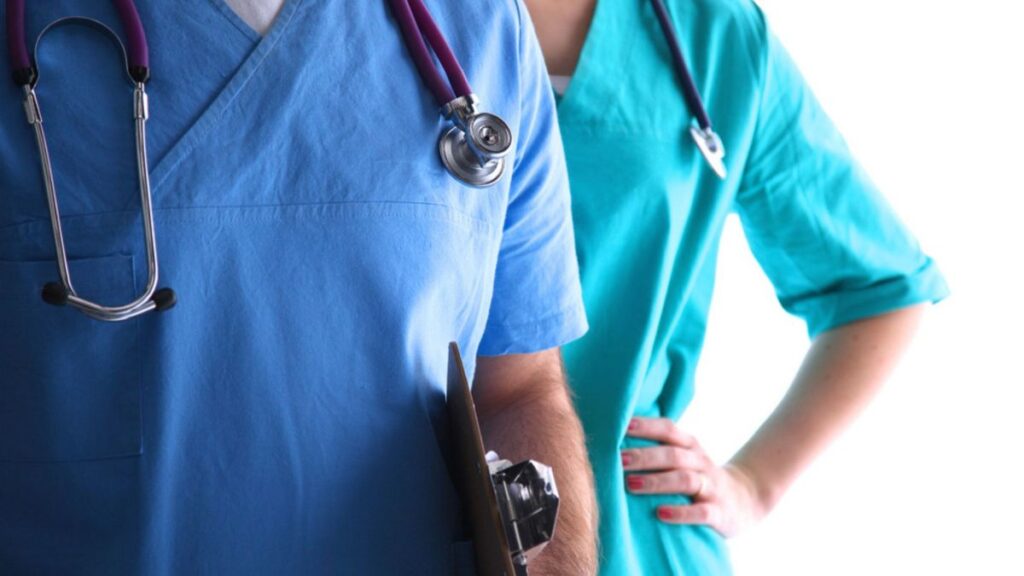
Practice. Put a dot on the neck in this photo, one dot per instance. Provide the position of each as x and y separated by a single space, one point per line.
562 27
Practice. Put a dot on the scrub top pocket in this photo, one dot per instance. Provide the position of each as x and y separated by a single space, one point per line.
69 385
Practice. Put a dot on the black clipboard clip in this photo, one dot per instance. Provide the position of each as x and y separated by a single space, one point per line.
510 509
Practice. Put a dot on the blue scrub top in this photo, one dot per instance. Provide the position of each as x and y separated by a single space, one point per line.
281 419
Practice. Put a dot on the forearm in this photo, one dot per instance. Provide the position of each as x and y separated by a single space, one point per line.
842 372
544 427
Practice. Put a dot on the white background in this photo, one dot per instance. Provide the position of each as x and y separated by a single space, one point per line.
930 96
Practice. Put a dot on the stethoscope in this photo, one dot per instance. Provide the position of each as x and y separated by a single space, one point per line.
708 142
473 149
26 75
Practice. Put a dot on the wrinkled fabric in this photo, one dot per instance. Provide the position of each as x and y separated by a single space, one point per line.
281 418
649 212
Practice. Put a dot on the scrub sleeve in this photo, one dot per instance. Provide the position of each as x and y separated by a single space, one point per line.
830 243
537 246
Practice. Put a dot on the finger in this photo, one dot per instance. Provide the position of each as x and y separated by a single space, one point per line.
674 482
663 458
693 514
660 429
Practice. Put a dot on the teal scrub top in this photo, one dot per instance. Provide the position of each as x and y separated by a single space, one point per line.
286 416
649 213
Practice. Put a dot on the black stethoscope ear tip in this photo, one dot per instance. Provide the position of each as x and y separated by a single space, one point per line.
165 299
55 294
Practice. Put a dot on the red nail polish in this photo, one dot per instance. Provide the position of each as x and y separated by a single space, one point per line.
626 458
632 425
664 513
635 482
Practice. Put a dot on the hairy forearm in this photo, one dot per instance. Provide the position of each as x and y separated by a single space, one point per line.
841 373
544 427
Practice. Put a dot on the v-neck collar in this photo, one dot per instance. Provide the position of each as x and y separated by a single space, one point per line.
237 20
215 112
607 46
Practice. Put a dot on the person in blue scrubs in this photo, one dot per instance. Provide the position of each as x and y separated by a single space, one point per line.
283 417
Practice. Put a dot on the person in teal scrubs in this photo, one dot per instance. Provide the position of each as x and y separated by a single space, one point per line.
285 416
649 212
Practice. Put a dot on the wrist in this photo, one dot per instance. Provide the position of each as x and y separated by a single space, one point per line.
762 497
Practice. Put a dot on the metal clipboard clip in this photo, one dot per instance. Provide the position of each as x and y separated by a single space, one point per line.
510 509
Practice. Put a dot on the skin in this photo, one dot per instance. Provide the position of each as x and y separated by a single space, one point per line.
842 371
526 412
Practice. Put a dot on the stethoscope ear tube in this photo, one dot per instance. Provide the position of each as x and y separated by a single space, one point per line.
137 66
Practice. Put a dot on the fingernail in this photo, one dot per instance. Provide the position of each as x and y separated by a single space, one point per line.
632 425
635 482
664 513
626 458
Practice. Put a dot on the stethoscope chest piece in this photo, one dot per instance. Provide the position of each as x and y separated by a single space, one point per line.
461 163
474 149
711 147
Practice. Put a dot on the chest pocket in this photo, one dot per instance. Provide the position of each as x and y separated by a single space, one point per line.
69 385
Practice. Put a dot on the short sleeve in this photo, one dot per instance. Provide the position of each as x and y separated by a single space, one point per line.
537 303
831 245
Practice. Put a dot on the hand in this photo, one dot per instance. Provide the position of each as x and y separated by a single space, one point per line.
723 497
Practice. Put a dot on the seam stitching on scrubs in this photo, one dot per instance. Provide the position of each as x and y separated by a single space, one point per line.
572 310
553 332
450 214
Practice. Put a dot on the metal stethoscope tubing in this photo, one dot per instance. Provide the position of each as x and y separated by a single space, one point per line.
136 61
473 150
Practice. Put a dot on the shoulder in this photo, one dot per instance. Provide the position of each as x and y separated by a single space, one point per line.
482 18
486 32
495 44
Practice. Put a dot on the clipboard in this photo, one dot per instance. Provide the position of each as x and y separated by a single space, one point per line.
472 477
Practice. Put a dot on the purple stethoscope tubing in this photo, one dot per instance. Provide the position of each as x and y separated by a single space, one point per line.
704 136
136 47
690 93
418 28
473 150
17 47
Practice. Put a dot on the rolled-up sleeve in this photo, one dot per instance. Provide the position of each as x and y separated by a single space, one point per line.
832 246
